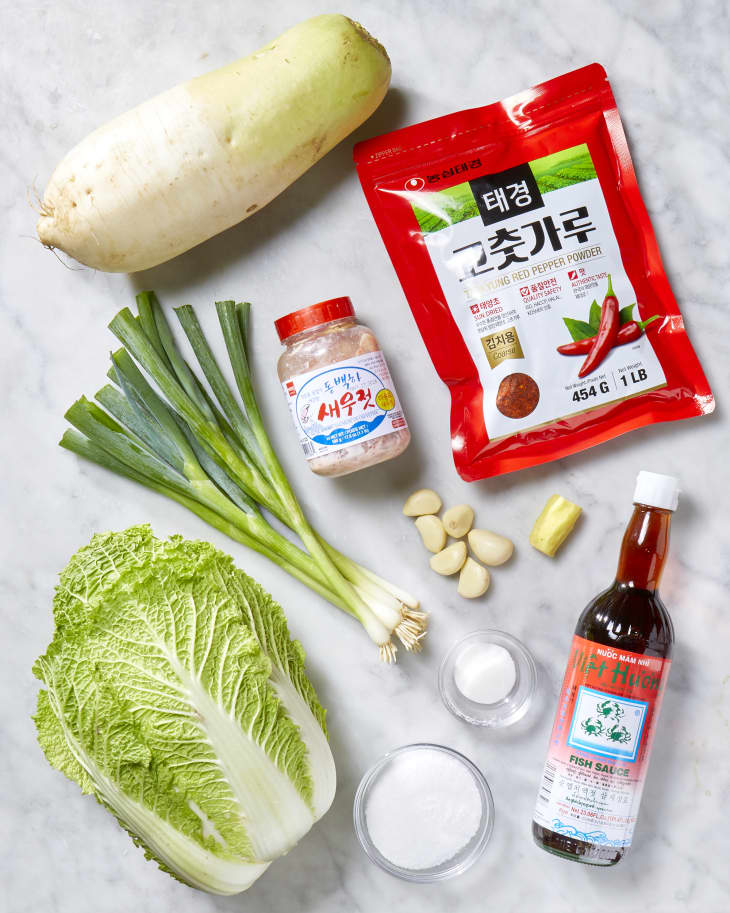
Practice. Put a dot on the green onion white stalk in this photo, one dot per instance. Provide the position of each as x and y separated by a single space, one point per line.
211 453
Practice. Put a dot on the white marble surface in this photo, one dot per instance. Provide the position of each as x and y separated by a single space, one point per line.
67 67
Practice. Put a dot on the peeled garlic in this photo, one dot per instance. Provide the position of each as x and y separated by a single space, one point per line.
473 579
458 520
489 547
450 560
421 502
432 532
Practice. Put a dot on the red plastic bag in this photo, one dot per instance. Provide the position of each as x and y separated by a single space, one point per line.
528 259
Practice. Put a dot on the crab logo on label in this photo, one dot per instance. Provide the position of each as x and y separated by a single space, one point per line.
604 723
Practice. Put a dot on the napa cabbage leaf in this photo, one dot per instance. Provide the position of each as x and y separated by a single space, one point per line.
176 697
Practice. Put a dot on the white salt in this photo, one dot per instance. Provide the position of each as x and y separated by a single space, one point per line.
422 809
485 673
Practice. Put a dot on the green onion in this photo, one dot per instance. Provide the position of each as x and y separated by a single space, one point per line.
210 452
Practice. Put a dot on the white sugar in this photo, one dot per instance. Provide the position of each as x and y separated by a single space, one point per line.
423 808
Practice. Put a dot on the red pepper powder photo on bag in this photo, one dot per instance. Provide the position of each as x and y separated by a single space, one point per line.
529 262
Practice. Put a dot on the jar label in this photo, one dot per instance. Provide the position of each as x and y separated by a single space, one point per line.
343 404
600 744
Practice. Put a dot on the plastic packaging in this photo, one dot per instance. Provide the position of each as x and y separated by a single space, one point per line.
528 259
340 393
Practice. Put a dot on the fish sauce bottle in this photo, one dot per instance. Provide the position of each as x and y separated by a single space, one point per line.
610 698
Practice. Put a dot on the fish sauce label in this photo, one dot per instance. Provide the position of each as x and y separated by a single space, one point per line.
345 403
523 257
600 744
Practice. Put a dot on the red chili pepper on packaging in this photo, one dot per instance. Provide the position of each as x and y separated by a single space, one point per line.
629 332
605 338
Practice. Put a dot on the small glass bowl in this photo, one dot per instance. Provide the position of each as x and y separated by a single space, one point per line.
465 857
513 706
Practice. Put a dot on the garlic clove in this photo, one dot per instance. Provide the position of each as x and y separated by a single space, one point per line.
432 532
490 548
458 520
423 501
449 560
474 579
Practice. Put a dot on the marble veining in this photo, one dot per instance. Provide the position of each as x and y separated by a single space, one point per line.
68 67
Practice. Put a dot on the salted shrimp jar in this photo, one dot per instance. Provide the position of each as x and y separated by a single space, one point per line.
340 393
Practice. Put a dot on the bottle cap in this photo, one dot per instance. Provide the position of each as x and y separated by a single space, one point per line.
313 316
656 490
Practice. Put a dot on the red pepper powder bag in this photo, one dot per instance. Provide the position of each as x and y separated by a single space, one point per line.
528 259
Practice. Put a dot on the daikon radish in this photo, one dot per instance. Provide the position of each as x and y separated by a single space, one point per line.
205 155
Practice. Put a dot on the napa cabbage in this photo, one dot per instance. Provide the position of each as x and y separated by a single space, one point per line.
176 697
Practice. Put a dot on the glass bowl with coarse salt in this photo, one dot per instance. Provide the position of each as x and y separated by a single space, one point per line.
423 813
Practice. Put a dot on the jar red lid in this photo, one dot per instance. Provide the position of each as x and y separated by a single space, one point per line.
313 316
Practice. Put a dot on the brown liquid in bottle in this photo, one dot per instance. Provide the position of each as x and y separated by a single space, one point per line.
629 616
